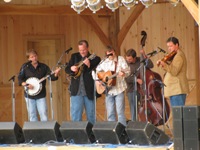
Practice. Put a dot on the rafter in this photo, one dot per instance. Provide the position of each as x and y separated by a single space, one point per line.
97 29
132 18
192 7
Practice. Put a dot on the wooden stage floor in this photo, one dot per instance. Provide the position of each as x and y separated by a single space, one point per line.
84 147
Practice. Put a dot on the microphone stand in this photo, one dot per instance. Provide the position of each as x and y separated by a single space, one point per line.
95 79
144 86
135 92
50 83
27 102
13 96
64 52
13 91
143 72
95 97
163 100
51 98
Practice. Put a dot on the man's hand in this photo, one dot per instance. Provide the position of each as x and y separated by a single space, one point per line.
74 69
57 71
160 63
121 74
139 81
87 62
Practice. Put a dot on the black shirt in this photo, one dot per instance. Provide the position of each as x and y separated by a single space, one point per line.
28 71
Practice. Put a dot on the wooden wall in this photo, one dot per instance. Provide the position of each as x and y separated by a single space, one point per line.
159 21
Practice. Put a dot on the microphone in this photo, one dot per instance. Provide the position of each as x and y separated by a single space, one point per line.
67 51
111 54
161 50
152 53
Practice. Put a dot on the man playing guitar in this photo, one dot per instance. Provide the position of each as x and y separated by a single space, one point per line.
115 96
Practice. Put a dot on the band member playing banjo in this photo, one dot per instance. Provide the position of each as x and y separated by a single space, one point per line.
33 76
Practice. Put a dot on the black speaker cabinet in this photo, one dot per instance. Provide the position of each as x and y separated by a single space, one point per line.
178 128
110 132
191 123
42 132
77 132
145 133
11 133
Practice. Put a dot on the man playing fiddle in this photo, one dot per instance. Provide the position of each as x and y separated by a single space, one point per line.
175 78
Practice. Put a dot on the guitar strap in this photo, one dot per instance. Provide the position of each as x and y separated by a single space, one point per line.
114 79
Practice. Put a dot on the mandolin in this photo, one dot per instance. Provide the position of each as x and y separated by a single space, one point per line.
80 67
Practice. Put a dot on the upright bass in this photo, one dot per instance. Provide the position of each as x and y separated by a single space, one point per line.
154 97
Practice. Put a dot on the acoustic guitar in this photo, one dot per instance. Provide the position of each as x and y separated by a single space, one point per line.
106 79
80 67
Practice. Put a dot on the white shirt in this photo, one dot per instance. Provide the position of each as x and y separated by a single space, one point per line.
109 65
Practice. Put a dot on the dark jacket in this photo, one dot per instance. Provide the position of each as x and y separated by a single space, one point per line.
87 75
28 71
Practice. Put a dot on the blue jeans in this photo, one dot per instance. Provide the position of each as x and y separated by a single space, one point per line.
35 106
118 102
178 100
77 104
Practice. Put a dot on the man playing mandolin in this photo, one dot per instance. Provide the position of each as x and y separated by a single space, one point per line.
81 87
30 77
115 95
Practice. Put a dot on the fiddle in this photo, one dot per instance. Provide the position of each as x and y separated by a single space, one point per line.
168 57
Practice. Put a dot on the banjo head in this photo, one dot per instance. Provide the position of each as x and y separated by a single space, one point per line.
37 86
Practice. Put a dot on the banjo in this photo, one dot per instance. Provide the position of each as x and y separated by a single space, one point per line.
37 84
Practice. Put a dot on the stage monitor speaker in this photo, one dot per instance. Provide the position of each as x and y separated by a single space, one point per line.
77 132
145 133
41 132
191 124
11 133
178 132
110 132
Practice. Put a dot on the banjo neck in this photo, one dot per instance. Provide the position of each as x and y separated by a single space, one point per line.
44 78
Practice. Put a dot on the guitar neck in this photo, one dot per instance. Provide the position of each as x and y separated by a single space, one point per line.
112 76
81 62
115 75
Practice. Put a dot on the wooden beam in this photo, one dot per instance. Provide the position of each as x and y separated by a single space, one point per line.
114 28
47 10
192 7
97 29
132 18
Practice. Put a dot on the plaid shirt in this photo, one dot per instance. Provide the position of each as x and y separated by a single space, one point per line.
109 65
